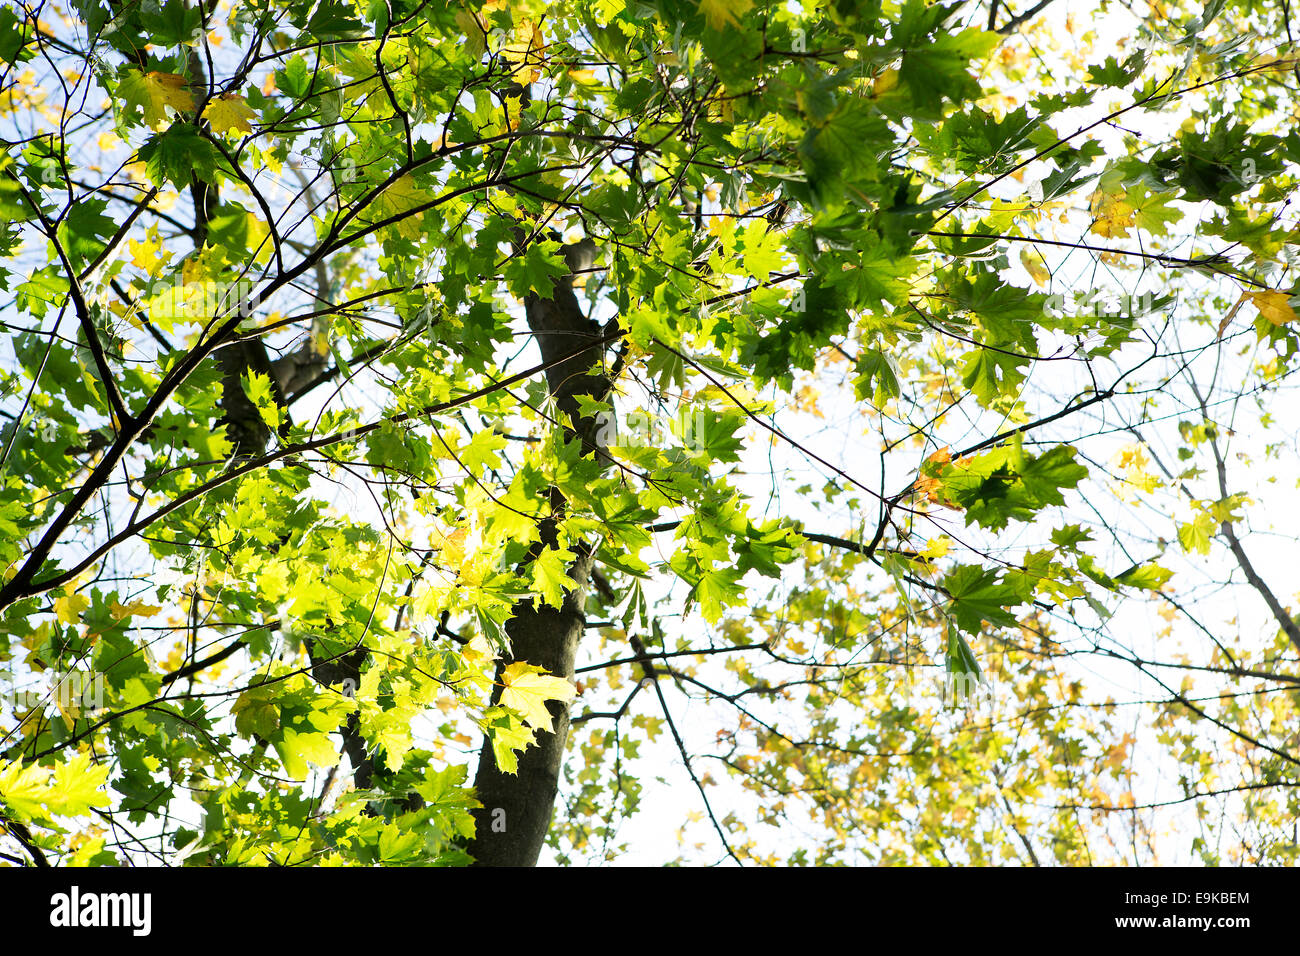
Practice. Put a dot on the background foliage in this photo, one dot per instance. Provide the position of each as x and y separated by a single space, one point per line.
892 396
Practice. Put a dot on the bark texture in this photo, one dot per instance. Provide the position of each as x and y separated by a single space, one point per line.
516 814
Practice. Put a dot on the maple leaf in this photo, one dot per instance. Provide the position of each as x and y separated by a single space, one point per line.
256 714
528 688
536 270
1032 260
978 596
1274 306
550 575
1112 216
153 93
68 609
720 14
401 197
257 386
940 457
77 786
1151 211
296 749
230 111
527 47
122 611
475 29
990 374
936 548
149 253
22 789
886 82
509 738
1196 536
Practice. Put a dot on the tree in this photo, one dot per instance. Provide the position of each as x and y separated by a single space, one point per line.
392 382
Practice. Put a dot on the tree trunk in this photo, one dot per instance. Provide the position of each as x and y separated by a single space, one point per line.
512 824
516 814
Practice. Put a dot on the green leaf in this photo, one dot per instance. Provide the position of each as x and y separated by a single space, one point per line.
147 97
877 376
179 153
85 231
509 737
171 22
992 375
296 749
1114 73
960 664
535 271
551 575
934 68
1046 475
1149 577
716 591
256 714
977 596
1006 484
1195 536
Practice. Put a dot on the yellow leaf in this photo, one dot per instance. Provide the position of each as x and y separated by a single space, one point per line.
400 197
1274 306
320 339
583 77
154 92
68 608
1133 462
230 111
723 13
257 235
1112 215
453 548
447 444
526 47
940 457
1032 260
24 789
512 106
478 651
134 609
149 253
528 688
886 81
936 547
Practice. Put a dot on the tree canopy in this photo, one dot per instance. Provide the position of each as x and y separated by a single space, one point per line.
842 431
